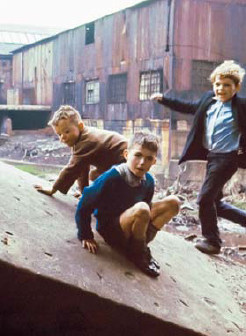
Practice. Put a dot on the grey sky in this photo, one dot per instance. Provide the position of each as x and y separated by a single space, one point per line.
57 13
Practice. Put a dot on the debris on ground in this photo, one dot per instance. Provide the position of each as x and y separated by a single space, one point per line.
36 148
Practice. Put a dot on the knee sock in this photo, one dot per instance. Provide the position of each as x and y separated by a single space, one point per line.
151 233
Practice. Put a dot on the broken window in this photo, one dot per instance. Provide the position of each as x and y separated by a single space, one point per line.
150 82
201 71
92 92
89 32
68 97
117 88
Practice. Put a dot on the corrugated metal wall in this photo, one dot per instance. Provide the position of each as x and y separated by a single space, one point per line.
183 38
32 74
205 33
211 30
129 41
5 77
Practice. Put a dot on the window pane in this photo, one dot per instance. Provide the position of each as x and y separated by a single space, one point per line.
68 93
92 92
150 82
117 88
201 71
89 33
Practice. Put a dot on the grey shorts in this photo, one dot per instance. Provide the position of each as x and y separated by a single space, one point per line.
113 235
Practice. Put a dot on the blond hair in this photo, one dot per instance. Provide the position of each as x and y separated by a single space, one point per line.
228 69
65 112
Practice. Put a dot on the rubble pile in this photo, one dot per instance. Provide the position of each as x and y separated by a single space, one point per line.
187 224
37 148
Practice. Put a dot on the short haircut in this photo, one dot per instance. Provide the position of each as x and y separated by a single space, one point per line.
65 112
228 69
146 140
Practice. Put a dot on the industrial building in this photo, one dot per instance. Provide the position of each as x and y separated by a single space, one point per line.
107 69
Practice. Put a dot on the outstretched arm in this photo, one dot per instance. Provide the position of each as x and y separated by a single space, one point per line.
179 105
76 169
48 192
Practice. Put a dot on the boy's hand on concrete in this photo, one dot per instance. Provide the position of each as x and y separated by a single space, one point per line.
156 97
90 244
40 189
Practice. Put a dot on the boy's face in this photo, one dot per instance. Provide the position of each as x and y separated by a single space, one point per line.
139 159
68 131
224 88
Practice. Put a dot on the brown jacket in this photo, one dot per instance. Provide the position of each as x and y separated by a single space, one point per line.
96 147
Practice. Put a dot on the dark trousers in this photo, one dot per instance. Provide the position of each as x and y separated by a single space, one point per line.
220 168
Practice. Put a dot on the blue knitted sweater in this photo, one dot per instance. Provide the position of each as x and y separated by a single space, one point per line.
107 197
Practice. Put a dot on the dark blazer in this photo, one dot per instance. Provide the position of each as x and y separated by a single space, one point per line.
194 149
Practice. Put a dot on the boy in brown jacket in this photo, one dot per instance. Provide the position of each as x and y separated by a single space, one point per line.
89 146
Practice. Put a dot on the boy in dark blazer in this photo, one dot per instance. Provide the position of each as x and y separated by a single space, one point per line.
218 135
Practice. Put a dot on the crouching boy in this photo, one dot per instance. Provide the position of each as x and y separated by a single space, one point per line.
90 146
121 202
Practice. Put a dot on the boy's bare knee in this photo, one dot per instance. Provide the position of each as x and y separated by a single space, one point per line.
142 211
173 204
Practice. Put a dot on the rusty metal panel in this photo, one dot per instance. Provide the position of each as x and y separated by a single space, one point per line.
129 41
32 73
157 34
17 70
63 56
5 77
116 112
209 31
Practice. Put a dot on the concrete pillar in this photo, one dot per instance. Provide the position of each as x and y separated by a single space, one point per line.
165 142
9 128
6 126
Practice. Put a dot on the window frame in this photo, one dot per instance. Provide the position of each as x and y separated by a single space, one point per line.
90 33
200 74
95 95
68 97
117 88
147 87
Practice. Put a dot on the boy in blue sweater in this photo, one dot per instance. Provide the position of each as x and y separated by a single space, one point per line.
121 200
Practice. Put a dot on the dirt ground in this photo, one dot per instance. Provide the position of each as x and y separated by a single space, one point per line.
43 147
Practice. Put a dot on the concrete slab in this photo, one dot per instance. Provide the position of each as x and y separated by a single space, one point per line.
38 247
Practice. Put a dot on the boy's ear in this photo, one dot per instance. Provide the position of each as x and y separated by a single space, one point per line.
81 126
238 87
125 153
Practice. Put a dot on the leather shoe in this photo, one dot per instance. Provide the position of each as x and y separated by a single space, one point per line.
205 246
152 259
148 268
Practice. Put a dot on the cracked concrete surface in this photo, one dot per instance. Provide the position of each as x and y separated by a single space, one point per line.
195 293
